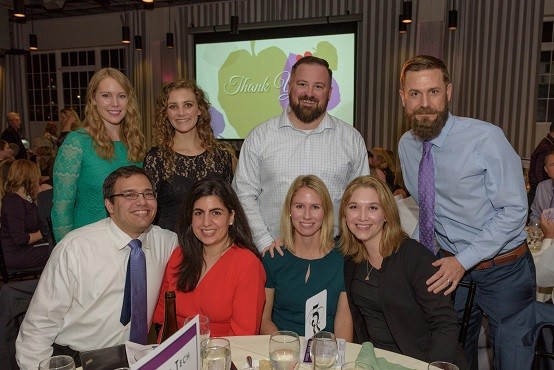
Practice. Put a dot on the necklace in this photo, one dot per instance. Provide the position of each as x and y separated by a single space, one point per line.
368 270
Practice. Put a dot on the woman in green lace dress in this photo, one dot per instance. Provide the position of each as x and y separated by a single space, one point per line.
110 138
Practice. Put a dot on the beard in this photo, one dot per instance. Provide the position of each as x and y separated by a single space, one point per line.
308 114
427 129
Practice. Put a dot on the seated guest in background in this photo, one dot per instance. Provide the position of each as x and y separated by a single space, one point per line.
6 152
385 274
187 150
111 137
11 135
48 138
81 301
45 157
69 121
310 264
544 196
544 259
216 271
537 172
383 160
20 232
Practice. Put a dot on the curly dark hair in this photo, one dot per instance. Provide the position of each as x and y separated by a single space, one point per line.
190 268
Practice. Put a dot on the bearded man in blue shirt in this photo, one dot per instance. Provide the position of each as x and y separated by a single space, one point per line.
480 204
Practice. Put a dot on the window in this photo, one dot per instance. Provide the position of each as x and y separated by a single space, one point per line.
59 79
545 104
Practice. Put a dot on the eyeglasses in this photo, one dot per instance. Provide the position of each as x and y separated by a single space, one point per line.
133 195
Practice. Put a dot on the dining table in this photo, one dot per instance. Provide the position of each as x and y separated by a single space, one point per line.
257 347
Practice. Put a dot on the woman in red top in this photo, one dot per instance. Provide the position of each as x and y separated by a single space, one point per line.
216 271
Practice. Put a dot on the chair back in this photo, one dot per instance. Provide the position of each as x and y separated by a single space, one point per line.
21 274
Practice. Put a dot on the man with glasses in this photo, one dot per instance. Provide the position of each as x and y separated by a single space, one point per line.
86 296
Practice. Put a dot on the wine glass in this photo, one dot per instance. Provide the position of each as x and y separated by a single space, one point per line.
204 326
284 350
57 363
356 365
436 365
215 354
324 350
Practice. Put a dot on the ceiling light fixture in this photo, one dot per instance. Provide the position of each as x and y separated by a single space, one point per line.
234 22
407 11
453 18
138 42
169 35
402 27
19 8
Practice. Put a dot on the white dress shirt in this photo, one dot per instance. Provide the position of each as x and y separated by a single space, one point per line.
79 297
276 152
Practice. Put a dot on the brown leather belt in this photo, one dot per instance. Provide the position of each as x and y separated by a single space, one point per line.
501 259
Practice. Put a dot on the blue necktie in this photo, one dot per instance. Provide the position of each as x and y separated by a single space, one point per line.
134 300
426 191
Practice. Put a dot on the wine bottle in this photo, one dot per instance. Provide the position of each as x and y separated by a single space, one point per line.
170 317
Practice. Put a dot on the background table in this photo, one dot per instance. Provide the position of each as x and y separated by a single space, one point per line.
257 346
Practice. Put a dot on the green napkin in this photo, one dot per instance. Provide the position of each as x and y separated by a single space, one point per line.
367 355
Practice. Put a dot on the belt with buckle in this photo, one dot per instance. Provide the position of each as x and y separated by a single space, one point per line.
501 259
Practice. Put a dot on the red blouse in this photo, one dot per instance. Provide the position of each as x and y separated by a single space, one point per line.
231 294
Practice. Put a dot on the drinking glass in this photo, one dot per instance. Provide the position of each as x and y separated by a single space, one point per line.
204 326
535 236
57 363
140 354
215 354
356 365
284 350
442 365
324 350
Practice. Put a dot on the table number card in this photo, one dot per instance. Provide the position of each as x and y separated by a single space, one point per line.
181 351
316 314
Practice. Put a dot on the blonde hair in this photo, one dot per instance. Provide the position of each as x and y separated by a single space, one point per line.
165 132
384 157
392 236
313 182
24 174
76 121
130 132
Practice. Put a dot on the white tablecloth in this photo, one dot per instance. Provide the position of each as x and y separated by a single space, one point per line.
257 346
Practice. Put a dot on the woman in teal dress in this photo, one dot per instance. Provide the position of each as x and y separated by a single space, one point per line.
111 137
309 266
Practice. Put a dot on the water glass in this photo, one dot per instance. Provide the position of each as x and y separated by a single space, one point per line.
204 326
356 365
324 350
284 350
442 365
57 363
140 354
215 354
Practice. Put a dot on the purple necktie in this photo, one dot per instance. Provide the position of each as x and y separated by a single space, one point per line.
137 274
426 191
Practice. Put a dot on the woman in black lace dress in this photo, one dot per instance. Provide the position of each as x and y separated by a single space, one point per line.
187 150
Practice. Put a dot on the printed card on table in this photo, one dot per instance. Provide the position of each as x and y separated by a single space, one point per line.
316 314
181 351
